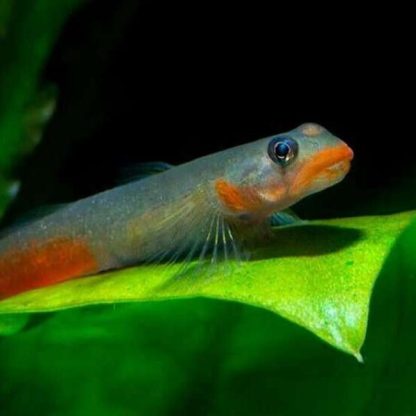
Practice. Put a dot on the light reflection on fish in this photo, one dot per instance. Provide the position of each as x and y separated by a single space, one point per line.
201 209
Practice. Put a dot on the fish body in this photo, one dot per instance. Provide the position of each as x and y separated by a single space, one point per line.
200 207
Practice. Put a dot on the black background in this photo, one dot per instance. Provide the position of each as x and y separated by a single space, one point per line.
171 81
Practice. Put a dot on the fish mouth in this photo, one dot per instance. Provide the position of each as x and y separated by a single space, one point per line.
337 169
326 168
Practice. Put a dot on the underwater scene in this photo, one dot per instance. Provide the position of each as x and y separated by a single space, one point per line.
205 209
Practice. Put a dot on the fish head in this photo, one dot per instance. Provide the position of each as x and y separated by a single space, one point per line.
274 173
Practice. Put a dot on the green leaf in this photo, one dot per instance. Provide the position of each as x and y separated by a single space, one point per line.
391 343
319 275
200 356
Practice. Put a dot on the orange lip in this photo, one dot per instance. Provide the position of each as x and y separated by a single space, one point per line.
338 157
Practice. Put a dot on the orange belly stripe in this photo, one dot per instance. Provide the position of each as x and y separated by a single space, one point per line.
44 263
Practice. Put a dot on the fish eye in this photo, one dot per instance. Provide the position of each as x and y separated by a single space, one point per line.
283 150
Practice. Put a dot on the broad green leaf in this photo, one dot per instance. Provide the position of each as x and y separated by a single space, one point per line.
319 275
391 343
205 356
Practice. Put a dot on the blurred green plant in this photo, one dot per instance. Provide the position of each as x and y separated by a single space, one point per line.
28 31
5 12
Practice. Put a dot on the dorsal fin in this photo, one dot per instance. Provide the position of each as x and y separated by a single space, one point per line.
143 170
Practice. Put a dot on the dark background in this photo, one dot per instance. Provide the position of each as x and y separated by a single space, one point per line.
171 81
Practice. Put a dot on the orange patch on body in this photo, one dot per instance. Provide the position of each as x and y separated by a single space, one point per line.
236 199
320 164
248 199
44 263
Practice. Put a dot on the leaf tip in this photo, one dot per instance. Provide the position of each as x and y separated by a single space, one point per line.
359 357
